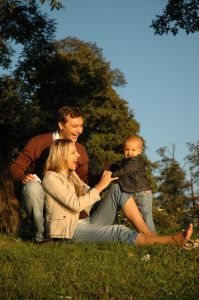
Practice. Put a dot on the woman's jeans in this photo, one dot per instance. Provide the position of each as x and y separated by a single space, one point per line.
33 197
99 226
144 201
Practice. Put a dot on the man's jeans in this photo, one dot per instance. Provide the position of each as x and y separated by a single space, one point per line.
33 197
144 201
99 226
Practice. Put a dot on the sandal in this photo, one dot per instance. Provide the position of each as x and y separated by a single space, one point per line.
191 244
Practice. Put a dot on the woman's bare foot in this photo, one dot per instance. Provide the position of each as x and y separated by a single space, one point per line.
182 237
179 239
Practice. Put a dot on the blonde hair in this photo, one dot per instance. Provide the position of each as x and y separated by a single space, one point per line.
134 138
58 155
57 160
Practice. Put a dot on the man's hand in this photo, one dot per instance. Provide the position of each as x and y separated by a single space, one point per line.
30 177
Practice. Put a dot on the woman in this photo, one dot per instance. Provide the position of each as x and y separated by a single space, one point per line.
67 196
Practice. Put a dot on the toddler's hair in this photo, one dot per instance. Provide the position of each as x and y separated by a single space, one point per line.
134 138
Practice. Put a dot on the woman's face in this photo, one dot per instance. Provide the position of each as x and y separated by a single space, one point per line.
73 155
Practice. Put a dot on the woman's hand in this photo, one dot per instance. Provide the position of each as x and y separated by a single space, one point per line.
105 180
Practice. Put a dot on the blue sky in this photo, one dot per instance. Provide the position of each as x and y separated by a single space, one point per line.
162 72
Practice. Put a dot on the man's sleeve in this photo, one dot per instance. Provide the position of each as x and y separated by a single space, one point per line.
22 162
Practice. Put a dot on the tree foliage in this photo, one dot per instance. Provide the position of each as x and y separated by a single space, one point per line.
55 4
178 14
74 70
21 23
172 183
193 160
22 26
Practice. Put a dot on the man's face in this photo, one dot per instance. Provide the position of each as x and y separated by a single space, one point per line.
71 129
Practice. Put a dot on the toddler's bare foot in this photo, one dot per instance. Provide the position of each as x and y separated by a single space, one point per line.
182 237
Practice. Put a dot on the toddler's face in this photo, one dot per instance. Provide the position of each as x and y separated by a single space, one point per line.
132 149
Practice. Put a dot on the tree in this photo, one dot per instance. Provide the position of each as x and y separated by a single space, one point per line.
73 71
23 24
20 24
172 183
178 14
193 160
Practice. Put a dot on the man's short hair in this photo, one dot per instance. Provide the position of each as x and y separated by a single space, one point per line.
64 111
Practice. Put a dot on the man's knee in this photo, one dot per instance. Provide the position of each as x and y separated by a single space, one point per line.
33 189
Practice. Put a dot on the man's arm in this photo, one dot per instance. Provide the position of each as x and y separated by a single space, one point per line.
26 160
22 163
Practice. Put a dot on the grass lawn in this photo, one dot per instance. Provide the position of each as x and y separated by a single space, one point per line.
108 271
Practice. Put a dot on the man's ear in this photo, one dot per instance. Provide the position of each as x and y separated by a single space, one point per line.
60 125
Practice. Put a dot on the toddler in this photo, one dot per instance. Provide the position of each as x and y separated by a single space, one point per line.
132 177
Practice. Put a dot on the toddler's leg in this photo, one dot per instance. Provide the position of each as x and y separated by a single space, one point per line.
144 201
105 211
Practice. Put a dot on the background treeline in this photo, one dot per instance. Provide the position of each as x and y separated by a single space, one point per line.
47 74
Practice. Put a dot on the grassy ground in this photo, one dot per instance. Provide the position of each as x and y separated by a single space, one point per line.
67 271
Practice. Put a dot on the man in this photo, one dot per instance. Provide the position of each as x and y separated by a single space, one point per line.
29 166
